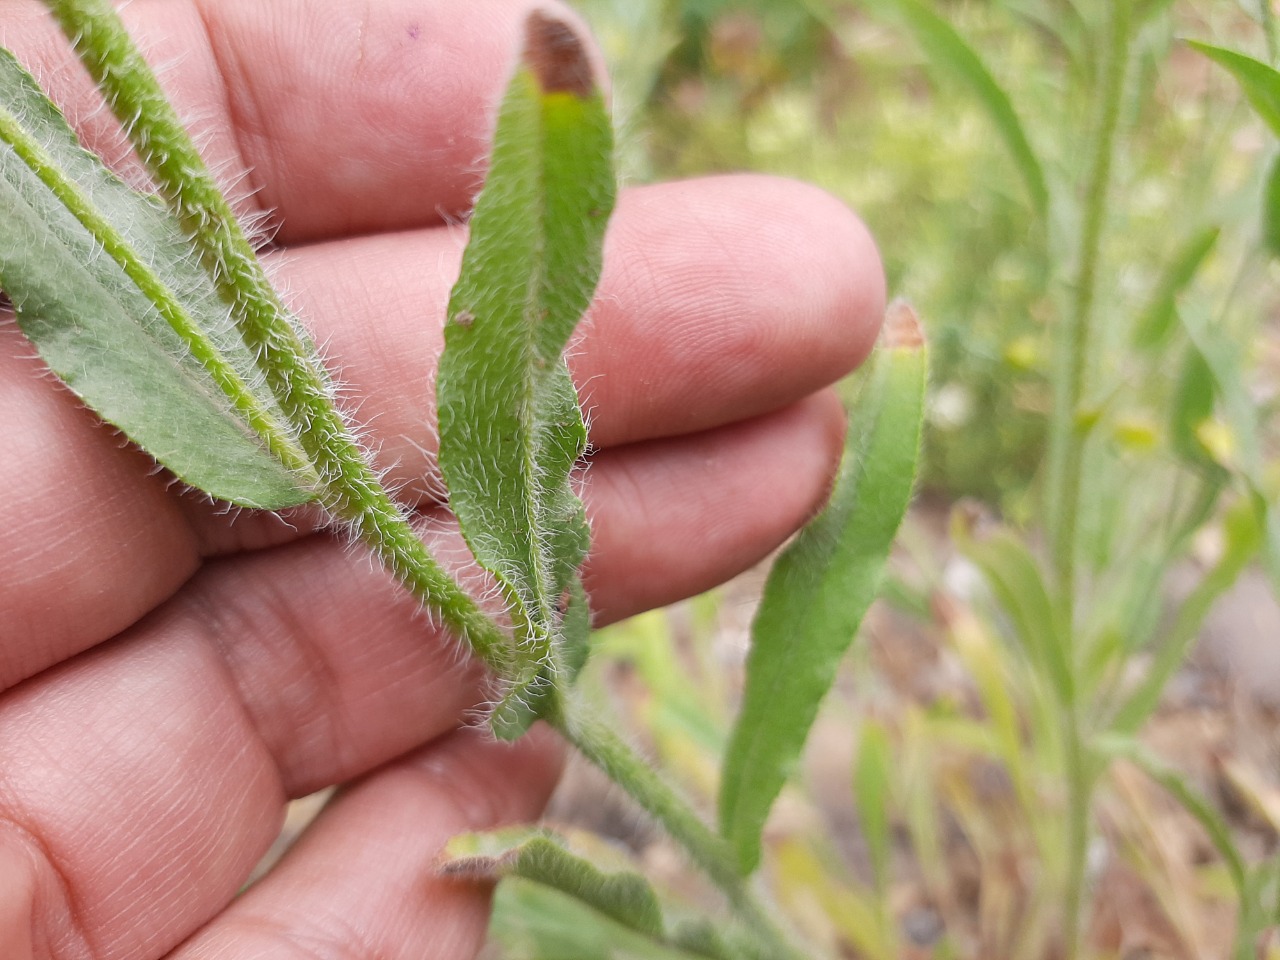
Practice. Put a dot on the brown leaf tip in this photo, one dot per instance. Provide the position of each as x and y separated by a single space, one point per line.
902 328
478 867
557 57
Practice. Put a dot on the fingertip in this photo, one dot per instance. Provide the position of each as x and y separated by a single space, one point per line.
848 289
674 517
739 294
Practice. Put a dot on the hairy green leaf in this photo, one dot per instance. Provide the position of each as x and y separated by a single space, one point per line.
950 53
510 427
822 585
540 856
533 922
1260 83
103 283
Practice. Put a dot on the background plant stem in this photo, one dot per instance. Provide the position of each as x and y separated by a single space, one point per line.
1068 435
1072 350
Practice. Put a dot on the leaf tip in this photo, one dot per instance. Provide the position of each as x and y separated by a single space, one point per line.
557 56
902 330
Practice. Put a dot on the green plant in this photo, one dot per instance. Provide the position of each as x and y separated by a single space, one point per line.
1068 200
157 312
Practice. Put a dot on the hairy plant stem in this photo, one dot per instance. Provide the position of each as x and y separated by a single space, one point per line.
349 487
602 746
1068 434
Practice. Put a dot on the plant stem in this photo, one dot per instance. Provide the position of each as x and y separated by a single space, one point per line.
1068 434
601 745
1269 29
350 488
1079 799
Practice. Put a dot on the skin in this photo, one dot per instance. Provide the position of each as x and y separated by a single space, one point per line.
171 675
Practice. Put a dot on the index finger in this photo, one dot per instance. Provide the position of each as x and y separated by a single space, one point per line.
335 118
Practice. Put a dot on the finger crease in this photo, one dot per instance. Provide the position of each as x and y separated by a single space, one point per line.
75 926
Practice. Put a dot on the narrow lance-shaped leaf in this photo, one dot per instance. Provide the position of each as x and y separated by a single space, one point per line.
1114 746
623 896
1241 413
103 283
822 585
1243 538
1018 585
540 856
1193 405
872 791
949 52
1159 319
510 427
1260 83
1271 210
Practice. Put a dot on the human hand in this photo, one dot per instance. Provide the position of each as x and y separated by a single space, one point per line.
173 674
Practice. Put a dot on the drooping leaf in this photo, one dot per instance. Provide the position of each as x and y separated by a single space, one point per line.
951 54
1244 536
872 790
104 285
1241 413
1018 585
1215 827
533 922
822 585
1159 318
1260 83
1193 405
1271 210
540 856
510 427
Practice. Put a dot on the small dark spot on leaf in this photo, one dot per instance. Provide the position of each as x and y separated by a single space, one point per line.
464 318
556 56
595 213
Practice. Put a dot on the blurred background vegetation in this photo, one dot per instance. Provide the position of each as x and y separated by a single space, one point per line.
934 815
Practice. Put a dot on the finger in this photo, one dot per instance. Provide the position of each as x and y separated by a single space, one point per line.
674 518
284 671
363 880
339 118
693 328
336 670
